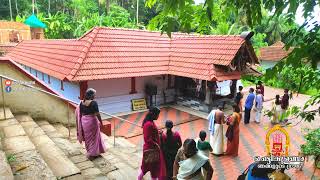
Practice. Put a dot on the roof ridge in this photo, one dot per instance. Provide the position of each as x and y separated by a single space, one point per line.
86 33
84 53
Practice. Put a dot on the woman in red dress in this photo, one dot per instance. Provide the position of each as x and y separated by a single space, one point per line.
152 141
233 132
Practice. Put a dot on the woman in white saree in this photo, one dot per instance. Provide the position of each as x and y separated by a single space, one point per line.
190 168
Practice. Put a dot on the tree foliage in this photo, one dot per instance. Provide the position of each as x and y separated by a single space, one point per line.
306 43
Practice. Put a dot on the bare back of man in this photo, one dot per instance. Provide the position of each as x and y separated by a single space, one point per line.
219 117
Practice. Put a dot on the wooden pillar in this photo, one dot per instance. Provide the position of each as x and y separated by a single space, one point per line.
169 81
208 99
83 89
133 86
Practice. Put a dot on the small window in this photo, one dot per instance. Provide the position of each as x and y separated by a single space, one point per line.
42 76
36 73
49 79
62 88
30 70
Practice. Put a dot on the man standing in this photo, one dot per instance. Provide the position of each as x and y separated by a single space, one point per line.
248 106
216 121
259 105
261 87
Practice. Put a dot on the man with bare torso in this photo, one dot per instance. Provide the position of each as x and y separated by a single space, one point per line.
216 118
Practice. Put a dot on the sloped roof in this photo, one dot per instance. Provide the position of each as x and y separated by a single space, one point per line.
5 48
275 52
13 25
105 53
34 22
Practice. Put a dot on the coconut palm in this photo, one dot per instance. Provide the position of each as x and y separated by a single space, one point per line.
275 29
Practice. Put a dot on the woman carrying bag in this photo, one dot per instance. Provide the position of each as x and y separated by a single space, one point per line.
153 159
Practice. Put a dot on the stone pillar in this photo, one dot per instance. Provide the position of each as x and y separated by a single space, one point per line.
83 89
133 85
208 99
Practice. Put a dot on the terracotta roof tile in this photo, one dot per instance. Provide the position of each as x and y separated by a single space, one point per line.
275 52
13 25
104 53
5 48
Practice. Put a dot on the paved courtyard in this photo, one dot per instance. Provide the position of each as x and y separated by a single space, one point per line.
252 136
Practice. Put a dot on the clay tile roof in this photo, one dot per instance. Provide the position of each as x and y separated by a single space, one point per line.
13 25
104 53
275 52
5 48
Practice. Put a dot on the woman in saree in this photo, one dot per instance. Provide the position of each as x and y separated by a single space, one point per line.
152 144
276 107
232 133
88 125
191 167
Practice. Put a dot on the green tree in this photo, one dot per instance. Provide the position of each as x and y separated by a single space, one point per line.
307 43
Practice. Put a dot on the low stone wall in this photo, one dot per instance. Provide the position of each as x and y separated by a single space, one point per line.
37 104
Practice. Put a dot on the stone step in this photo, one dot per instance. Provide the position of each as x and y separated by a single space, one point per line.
7 111
64 131
5 169
58 162
89 169
64 144
125 171
26 162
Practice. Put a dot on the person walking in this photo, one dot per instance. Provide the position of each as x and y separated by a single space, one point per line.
232 133
276 107
248 106
153 159
88 121
239 99
216 121
284 103
259 106
170 143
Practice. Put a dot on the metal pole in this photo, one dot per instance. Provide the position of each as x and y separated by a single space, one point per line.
137 12
32 6
114 132
69 120
3 101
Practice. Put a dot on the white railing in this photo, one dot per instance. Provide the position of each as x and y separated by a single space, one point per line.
61 98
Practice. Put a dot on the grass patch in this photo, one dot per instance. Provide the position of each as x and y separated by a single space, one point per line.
11 158
246 83
311 92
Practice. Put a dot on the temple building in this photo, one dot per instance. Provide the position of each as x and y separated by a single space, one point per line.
270 55
11 33
124 64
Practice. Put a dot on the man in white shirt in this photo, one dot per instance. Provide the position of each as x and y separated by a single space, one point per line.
259 105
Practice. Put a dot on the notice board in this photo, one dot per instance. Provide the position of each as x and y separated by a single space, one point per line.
139 104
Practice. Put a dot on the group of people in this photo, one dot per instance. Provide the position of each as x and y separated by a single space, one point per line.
255 101
279 107
165 157
216 120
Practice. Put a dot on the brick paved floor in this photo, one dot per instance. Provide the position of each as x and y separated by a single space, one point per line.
252 137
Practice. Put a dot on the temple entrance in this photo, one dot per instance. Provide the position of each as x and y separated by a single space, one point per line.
203 95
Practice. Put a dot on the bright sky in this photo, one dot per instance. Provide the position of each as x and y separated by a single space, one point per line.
299 16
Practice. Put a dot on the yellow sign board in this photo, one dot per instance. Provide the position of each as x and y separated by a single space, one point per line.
280 141
139 104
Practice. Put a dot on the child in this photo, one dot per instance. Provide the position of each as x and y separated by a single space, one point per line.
202 145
